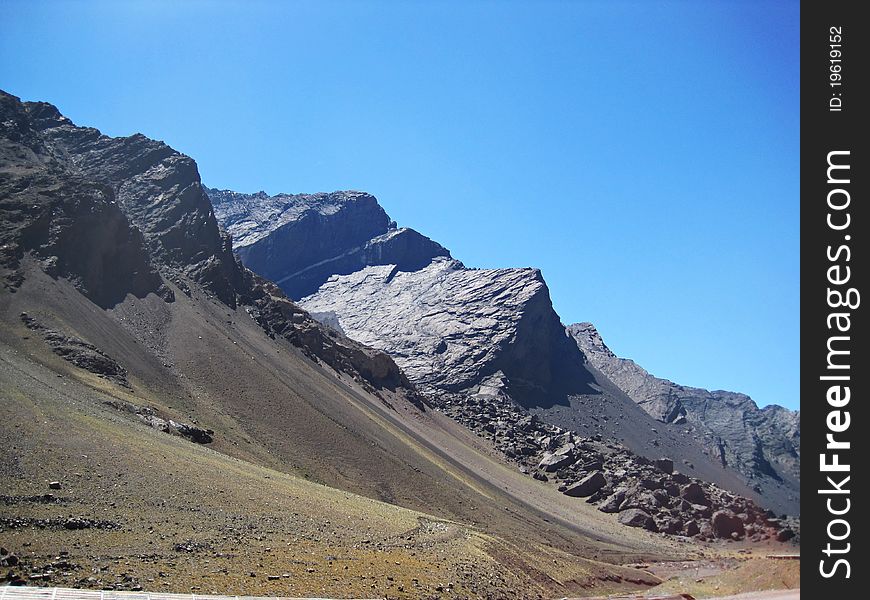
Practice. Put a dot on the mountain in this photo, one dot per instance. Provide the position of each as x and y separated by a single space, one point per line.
763 444
171 420
473 340
298 241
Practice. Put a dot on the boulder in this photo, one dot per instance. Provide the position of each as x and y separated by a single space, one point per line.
651 484
586 486
726 524
680 478
612 503
692 528
785 535
641 498
553 462
694 493
635 517
665 465
565 449
671 525
662 497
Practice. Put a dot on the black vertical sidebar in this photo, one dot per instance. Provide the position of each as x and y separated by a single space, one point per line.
835 373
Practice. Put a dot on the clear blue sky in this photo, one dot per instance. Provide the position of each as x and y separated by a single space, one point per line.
643 154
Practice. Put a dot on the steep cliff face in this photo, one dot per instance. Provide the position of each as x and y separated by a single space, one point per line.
299 240
73 225
762 444
158 190
450 327
120 215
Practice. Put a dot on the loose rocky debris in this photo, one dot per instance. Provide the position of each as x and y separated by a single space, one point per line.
150 417
56 523
7 558
279 316
192 432
29 570
40 499
761 443
644 493
10 559
79 352
191 546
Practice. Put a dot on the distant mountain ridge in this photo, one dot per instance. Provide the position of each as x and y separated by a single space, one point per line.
755 440
453 329
300 240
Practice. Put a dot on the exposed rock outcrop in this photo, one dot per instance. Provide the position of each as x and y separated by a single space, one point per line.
118 215
451 327
71 223
279 316
300 240
79 352
157 188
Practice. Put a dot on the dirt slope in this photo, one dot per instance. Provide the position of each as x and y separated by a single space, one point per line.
277 417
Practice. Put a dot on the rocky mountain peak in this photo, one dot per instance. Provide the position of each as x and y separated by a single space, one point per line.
251 217
591 338
300 240
71 224
129 214
44 115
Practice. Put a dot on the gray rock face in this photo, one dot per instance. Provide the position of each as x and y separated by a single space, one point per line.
450 327
157 190
472 339
299 241
70 223
120 215
762 444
